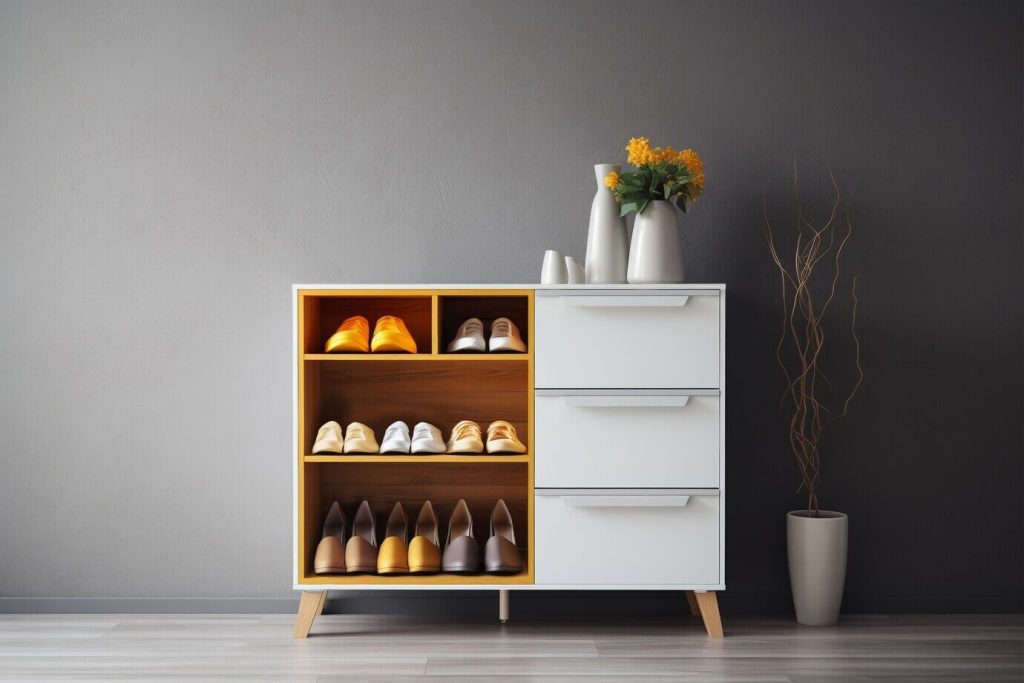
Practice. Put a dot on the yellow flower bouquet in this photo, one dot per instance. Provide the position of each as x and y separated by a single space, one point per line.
661 173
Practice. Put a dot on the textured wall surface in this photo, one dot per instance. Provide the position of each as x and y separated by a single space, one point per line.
168 169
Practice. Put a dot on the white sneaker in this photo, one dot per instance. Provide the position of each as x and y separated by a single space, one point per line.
396 438
360 439
505 336
328 438
466 438
426 438
470 337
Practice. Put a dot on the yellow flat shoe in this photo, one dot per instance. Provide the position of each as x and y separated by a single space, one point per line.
391 334
393 557
352 336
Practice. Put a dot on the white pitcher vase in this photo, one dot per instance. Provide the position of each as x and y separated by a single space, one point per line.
606 238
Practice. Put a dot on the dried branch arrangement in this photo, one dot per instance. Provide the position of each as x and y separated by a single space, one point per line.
809 286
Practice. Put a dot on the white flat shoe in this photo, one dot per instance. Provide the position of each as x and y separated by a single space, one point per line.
396 438
426 438
360 439
470 337
502 438
505 337
466 438
328 438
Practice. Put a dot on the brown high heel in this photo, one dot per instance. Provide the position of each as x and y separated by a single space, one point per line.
393 557
425 547
461 552
361 549
501 555
330 552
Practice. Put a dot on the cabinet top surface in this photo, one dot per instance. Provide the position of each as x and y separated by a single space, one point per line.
503 285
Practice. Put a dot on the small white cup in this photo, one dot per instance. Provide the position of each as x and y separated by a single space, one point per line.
553 271
575 271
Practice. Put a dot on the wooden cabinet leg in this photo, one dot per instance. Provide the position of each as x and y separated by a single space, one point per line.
311 604
692 602
707 602
503 606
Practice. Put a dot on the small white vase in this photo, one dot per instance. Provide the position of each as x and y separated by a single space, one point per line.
577 276
817 564
553 271
656 252
606 237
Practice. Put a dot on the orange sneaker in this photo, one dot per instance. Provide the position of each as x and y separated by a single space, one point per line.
391 334
352 336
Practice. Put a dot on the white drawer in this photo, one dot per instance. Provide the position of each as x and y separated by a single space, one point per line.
616 339
623 537
611 438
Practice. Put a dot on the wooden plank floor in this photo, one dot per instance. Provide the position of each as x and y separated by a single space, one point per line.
936 649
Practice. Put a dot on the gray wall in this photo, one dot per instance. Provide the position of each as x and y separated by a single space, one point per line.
168 169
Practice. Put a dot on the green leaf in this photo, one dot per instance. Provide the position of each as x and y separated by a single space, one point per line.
627 207
643 205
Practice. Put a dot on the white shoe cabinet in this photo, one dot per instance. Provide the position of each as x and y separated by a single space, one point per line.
620 399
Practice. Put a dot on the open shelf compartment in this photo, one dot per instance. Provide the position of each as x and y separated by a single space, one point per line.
455 307
480 484
323 313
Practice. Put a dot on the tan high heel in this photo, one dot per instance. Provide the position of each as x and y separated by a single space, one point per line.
361 549
501 555
425 547
461 552
393 557
330 552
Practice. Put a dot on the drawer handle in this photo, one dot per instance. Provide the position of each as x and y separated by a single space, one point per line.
634 401
626 501
626 301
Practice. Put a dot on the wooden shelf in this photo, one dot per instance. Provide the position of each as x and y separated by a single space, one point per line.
417 579
387 458
509 357
431 386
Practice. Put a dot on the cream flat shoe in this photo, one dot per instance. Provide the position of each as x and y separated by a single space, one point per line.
466 438
329 439
502 438
360 439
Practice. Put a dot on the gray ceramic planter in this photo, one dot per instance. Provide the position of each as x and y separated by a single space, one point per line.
817 564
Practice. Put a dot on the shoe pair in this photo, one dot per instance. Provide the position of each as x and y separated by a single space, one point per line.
504 337
501 438
462 553
360 553
425 439
389 335
358 439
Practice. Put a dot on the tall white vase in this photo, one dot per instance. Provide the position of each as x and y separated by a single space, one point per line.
606 238
656 253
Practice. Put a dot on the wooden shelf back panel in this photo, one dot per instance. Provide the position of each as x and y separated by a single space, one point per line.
441 393
330 311
454 309
481 484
